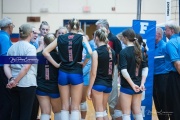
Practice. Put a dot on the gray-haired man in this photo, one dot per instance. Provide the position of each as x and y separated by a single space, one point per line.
6 26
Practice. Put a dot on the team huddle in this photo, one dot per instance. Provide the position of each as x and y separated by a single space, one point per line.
77 68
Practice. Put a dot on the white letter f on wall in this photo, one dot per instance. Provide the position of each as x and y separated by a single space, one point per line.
143 27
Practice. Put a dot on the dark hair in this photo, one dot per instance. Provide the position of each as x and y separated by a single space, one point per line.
131 36
141 42
43 23
55 33
74 24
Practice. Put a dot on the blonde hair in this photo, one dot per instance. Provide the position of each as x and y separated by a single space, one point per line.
74 24
25 30
102 35
49 38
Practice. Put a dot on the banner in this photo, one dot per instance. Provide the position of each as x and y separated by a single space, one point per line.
147 29
168 10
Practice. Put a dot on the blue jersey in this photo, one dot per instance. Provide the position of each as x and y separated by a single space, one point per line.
173 51
34 44
5 43
159 61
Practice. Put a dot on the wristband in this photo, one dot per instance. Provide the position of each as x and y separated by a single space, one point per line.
10 79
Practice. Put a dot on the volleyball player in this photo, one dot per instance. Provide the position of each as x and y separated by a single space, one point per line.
101 74
133 67
70 47
47 80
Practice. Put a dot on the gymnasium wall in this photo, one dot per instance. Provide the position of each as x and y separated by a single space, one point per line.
57 10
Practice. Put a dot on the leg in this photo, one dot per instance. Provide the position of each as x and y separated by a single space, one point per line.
174 95
125 102
113 98
98 104
159 95
83 103
5 99
117 112
76 96
35 109
56 107
16 104
105 101
136 106
45 105
26 102
64 92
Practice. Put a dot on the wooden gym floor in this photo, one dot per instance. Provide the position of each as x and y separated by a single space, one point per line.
91 112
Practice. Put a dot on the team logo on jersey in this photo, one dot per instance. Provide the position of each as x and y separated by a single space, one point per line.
70 36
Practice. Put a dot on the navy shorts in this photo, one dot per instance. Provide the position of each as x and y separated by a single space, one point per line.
69 78
102 88
129 91
52 95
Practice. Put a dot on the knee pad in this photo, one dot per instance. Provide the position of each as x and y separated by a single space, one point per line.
126 117
117 113
99 114
105 113
64 115
57 116
44 117
83 106
75 115
138 116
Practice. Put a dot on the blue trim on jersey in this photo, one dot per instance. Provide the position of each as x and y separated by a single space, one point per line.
69 78
52 95
102 88
86 80
87 53
129 91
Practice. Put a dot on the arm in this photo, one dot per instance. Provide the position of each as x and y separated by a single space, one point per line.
47 50
177 66
144 75
93 72
23 72
126 75
7 71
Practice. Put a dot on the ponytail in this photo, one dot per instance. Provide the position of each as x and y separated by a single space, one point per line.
138 53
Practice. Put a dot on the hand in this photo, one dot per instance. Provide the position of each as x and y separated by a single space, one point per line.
58 65
136 88
11 84
81 63
89 95
142 87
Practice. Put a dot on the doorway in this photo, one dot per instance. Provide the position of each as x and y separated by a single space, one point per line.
88 26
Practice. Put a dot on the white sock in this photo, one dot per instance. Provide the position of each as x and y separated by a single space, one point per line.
57 116
64 115
126 117
75 115
138 116
117 113
105 113
44 116
99 114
